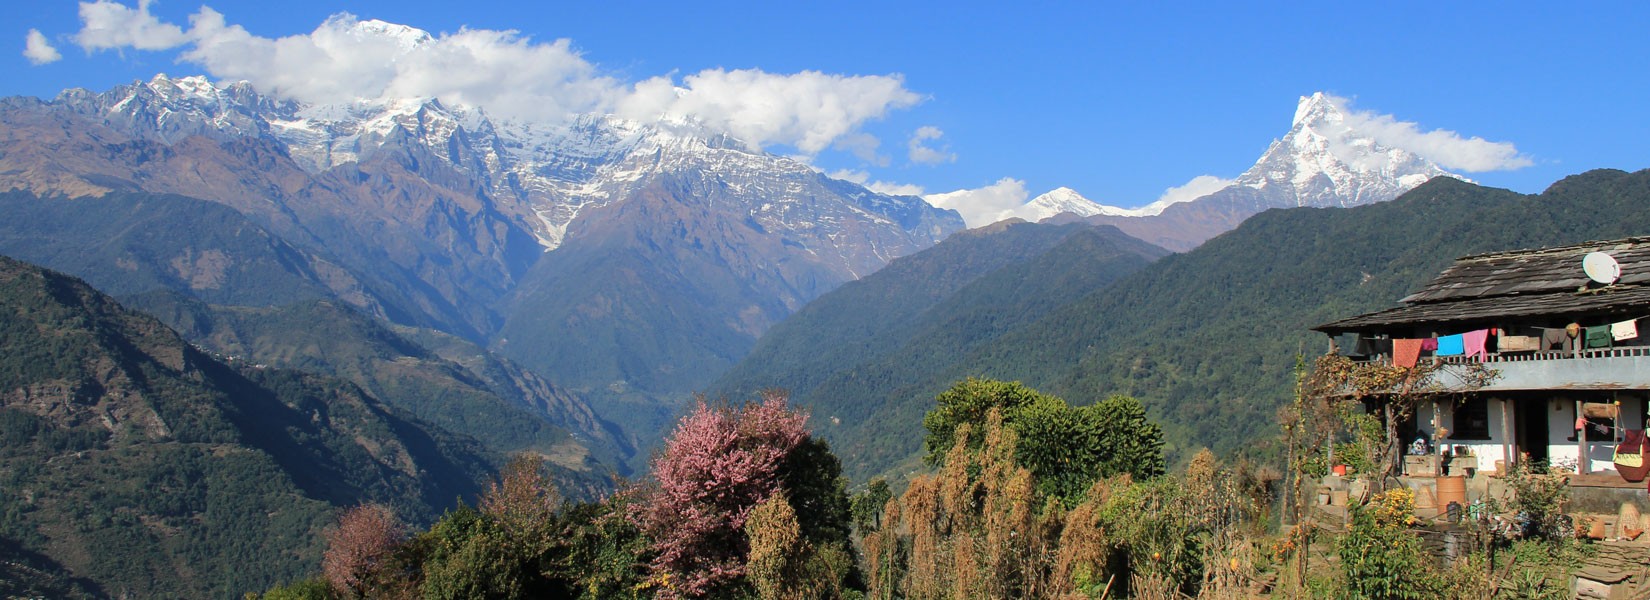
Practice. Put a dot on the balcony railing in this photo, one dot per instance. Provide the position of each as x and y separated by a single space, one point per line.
1494 357
1625 368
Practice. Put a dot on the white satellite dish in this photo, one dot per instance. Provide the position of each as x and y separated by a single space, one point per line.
1601 267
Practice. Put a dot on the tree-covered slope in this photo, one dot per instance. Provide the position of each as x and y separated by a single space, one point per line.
1209 338
874 314
509 411
145 468
853 354
132 242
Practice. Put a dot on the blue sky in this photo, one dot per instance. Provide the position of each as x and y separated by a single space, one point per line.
1119 101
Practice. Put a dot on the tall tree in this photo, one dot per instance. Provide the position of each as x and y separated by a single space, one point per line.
719 464
1066 448
361 542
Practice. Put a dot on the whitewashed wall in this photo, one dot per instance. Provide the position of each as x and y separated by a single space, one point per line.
1560 426
1486 451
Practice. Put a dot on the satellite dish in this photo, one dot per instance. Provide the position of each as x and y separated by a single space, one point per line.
1601 267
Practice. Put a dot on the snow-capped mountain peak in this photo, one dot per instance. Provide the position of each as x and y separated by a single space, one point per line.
1317 108
1329 157
406 37
1060 200
1325 160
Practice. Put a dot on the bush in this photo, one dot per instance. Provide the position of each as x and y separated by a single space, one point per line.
1380 557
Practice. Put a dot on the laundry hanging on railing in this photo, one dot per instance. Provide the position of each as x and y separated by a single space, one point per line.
1597 336
1555 339
1451 345
1624 330
1405 352
1474 342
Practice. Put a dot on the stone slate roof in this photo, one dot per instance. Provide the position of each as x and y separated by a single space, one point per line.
1485 288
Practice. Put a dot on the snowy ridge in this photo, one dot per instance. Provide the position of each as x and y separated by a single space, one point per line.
545 174
1322 161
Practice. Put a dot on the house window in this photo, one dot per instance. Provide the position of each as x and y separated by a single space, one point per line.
1472 420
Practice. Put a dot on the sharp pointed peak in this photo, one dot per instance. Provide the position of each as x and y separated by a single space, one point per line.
1317 107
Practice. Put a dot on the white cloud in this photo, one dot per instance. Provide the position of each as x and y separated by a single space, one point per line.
922 153
880 187
510 75
38 50
347 59
112 25
1442 146
808 110
1198 187
985 205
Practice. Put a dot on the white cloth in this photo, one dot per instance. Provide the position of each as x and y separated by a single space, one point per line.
1625 330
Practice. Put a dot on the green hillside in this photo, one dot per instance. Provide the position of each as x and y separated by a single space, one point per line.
132 242
851 355
141 467
874 314
1208 339
320 336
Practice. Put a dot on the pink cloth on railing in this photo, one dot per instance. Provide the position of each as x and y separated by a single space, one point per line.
1405 353
1474 342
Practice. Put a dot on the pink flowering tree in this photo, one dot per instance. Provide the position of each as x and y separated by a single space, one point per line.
719 464
358 545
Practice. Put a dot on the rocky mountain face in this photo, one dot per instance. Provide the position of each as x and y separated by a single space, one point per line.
1324 160
602 253
134 465
233 288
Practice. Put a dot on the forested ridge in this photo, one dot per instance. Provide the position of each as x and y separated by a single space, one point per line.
851 353
1207 339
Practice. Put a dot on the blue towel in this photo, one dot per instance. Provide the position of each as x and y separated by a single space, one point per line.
1451 345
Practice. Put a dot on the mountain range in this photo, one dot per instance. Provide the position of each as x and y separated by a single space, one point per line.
514 235
626 262
616 266
1324 160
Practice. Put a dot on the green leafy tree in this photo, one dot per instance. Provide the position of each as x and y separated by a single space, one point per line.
868 505
1066 448
1070 448
968 402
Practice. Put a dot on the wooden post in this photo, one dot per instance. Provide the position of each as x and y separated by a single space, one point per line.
1581 442
1437 421
1507 442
